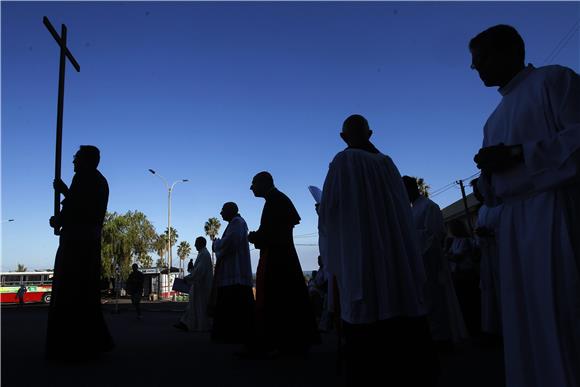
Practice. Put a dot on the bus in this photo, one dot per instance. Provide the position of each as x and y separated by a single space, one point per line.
38 285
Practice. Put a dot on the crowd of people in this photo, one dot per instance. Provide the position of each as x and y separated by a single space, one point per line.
396 288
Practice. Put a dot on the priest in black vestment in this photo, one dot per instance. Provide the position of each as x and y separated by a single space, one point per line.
76 327
285 320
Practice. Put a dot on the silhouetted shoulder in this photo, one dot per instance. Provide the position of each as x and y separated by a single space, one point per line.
351 155
556 75
554 70
283 206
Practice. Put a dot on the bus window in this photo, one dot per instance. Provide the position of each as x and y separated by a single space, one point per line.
12 279
33 279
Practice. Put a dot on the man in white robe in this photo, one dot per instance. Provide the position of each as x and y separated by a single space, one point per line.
234 310
371 248
530 160
200 279
445 318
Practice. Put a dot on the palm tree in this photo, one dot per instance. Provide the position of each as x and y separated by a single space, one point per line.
21 268
183 251
160 247
172 243
423 187
212 228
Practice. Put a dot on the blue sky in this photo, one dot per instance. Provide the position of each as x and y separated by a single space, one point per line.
216 92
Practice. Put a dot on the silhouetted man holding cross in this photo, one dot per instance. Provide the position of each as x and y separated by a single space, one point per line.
76 327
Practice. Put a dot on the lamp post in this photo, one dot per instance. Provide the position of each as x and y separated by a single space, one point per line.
169 190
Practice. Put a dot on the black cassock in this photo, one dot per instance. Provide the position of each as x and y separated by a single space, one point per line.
284 315
76 327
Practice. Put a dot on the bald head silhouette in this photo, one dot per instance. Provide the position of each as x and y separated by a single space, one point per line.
262 183
355 131
229 210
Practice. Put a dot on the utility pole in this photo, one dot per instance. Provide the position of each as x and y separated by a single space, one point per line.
460 182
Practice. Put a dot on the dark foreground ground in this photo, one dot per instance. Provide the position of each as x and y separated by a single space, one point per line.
151 352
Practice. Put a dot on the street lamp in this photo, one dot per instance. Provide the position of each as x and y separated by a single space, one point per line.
169 190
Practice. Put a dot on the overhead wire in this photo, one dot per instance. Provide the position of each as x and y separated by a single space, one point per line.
451 185
563 42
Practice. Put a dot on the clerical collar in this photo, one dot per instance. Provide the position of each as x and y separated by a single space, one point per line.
511 85
369 147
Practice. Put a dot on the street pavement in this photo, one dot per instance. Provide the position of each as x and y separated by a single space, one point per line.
151 352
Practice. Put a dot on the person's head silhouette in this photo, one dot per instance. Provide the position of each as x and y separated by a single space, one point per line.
262 183
458 229
355 131
200 243
135 267
86 158
412 188
229 210
497 54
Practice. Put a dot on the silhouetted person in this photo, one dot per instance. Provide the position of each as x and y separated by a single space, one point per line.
134 285
530 160
463 255
190 266
20 294
76 327
233 319
486 230
314 294
284 318
319 286
200 279
445 318
371 248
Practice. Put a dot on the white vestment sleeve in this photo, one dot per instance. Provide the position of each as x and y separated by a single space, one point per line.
200 268
432 229
226 245
555 160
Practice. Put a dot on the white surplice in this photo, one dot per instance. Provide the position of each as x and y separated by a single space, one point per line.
489 217
445 317
233 255
368 239
200 280
539 231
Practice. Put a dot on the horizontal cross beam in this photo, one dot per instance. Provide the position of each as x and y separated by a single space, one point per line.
60 43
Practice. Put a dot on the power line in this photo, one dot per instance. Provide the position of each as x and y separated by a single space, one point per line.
451 185
472 176
563 42
313 234
442 191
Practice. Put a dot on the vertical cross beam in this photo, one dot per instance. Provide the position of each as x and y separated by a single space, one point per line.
64 54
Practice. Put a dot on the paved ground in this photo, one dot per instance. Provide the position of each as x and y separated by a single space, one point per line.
150 352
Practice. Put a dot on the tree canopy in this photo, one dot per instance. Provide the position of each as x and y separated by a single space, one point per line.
423 186
183 251
212 228
126 239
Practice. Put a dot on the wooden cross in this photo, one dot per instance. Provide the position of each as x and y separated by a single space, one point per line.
64 53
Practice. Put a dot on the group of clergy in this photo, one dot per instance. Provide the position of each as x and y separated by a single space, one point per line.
280 319
380 250
393 292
